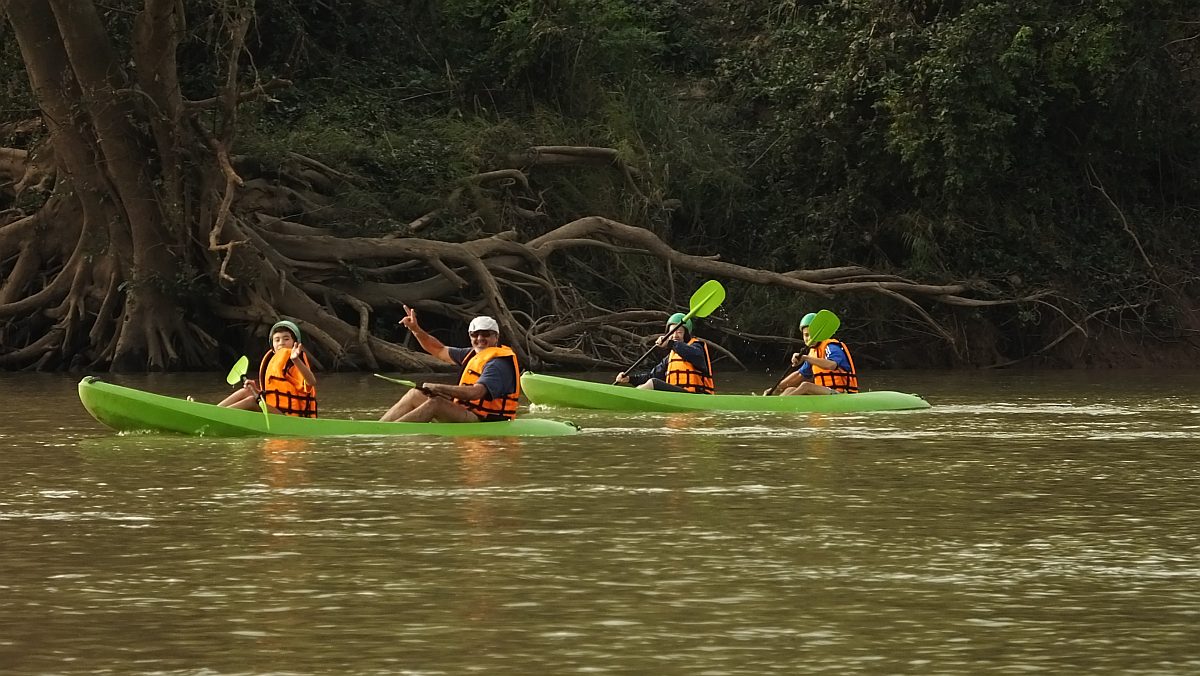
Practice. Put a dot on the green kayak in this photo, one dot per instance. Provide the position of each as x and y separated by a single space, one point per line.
127 409
553 391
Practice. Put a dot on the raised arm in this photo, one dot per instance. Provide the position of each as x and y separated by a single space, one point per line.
428 343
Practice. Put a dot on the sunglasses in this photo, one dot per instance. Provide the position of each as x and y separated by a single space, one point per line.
476 334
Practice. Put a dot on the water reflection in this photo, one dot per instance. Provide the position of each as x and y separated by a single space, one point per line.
486 464
1021 525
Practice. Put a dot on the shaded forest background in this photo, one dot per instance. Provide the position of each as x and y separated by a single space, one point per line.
964 183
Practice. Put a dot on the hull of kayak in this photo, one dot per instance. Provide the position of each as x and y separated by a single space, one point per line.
553 391
127 409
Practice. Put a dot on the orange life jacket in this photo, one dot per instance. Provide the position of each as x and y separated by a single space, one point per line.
284 387
682 373
834 379
504 406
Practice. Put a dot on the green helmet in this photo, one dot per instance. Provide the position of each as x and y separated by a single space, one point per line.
808 319
290 326
678 318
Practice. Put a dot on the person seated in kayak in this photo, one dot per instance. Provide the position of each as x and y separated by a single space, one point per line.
285 378
686 368
487 389
827 367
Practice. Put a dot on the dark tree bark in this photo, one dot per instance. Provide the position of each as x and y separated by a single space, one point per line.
142 203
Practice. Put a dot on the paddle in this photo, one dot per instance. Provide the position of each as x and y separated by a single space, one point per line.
238 370
407 383
823 326
707 298
238 373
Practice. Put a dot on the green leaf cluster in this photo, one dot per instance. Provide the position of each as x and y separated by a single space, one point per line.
969 137
1022 140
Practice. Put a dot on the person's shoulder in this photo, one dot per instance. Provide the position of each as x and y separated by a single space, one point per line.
503 361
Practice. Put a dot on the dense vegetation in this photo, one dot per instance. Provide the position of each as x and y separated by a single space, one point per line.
1035 150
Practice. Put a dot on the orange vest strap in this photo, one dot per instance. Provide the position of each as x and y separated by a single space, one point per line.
835 379
504 406
683 373
284 387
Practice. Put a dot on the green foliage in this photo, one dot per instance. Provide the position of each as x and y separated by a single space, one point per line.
893 136
562 51
979 138
409 168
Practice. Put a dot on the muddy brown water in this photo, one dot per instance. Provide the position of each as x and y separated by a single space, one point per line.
1027 523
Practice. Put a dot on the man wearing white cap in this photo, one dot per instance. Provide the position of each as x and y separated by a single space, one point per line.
487 389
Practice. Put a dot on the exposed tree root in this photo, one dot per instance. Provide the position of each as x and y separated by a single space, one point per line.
272 266
152 237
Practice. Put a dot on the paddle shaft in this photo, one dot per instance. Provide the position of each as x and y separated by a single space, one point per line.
787 373
408 383
822 328
238 374
707 298
645 354
262 401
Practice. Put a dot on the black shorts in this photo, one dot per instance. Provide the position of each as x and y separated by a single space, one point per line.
664 386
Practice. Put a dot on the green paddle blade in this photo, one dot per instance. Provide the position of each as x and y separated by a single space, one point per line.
238 370
707 298
398 381
823 326
262 403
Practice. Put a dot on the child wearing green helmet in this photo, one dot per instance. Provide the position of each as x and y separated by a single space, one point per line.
285 379
687 366
825 367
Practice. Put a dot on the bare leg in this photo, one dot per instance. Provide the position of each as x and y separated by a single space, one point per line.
439 409
807 388
411 400
242 398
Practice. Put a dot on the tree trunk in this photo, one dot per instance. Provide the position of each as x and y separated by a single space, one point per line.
106 170
148 243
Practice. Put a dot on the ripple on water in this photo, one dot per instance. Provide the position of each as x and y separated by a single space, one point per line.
1050 532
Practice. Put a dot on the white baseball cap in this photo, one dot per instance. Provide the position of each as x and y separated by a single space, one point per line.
483 323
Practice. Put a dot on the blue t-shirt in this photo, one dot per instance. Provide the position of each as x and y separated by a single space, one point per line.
499 376
835 354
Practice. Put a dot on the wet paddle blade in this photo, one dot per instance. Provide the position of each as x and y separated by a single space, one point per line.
398 381
707 298
262 403
238 370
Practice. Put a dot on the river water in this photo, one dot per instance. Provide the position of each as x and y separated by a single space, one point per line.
1027 523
